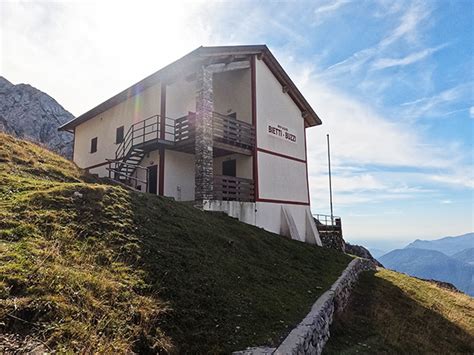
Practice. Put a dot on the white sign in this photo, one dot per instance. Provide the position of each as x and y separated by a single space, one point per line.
282 132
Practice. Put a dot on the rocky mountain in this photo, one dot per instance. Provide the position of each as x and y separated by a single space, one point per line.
447 245
29 113
431 264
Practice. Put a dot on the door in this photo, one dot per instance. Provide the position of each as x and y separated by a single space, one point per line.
229 168
152 178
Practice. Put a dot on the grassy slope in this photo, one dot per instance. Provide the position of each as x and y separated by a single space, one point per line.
116 270
394 313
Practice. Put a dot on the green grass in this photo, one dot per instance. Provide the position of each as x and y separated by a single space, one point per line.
117 271
397 314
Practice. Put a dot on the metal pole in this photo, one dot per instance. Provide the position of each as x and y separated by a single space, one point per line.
330 183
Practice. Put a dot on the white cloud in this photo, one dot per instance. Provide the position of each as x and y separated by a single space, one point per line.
412 18
438 104
471 111
92 50
330 6
383 63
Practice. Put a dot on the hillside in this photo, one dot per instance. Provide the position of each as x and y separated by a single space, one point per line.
431 264
447 245
466 255
29 113
90 266
391 313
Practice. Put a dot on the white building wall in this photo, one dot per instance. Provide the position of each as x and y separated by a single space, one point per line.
180 98
232 94
151 158
279 178
179 175
243 165
104 125
275 106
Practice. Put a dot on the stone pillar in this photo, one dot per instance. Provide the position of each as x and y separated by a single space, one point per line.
203 168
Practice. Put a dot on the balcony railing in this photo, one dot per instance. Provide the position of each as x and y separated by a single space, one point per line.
232 131
229 188
182 131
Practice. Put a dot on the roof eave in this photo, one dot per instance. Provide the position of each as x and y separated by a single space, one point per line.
310 117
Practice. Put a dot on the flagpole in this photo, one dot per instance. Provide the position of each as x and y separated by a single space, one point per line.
330 183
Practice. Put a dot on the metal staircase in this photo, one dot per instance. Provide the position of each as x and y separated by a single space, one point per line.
140 138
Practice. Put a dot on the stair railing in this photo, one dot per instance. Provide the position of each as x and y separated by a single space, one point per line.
114 172
145 131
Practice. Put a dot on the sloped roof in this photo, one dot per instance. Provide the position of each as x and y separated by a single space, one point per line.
199 55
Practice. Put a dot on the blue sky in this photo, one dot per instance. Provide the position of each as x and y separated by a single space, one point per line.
393 82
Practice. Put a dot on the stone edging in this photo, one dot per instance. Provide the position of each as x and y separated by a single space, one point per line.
310 336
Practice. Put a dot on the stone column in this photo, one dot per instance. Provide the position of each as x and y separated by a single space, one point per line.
204 140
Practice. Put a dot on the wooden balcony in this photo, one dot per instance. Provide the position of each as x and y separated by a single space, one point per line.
229 188
230 135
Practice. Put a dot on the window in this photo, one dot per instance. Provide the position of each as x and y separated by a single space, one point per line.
119 135
94 145
229 168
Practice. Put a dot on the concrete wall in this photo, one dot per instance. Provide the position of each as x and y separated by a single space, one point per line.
262 214
310 336
103 126
232 94
269 217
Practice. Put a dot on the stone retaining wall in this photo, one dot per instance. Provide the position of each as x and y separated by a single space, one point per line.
310 336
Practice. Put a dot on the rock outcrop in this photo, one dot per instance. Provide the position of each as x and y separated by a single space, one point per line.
29 113
360 251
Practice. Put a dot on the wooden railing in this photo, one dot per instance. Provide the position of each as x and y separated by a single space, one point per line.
229 188
185 128
232 131
225 129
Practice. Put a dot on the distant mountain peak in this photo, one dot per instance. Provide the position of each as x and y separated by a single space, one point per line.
27 112
447 245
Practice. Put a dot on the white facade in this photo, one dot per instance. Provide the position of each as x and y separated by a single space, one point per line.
275 165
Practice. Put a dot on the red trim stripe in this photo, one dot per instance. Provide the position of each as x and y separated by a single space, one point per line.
161 166
281 155
306 164
287 202
73 142
253 89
